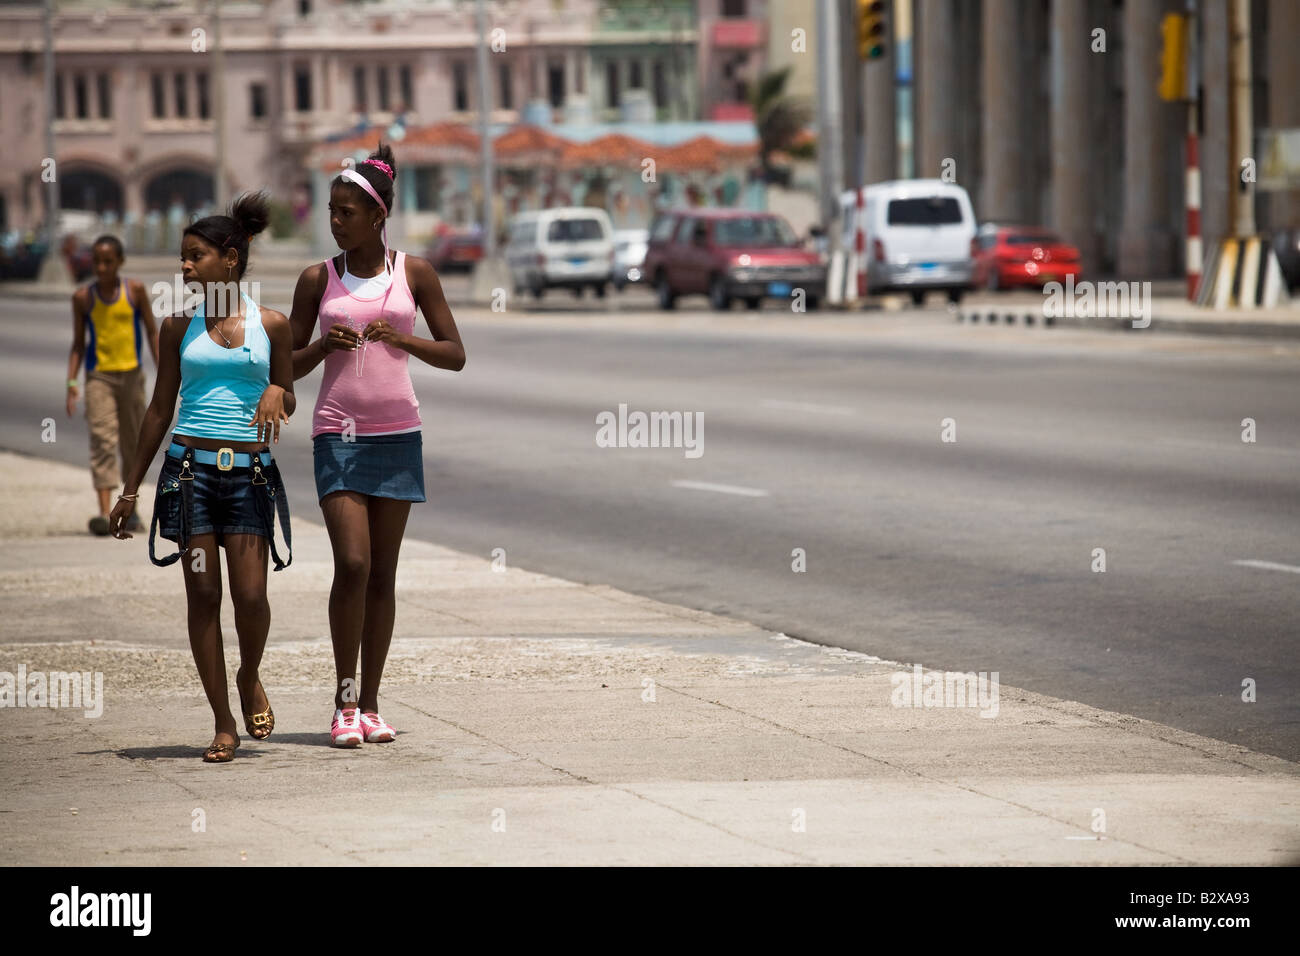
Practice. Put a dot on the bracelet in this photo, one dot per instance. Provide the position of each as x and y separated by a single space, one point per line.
72 383
128 497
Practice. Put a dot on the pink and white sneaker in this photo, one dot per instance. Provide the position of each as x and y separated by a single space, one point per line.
346 731
378 730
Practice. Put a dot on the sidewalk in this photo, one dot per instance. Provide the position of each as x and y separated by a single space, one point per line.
521 700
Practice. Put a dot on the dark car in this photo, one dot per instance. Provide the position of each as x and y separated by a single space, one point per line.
80 258
21 259
1286 244
455 251
729 254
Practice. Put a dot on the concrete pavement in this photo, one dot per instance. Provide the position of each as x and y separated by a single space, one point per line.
547 722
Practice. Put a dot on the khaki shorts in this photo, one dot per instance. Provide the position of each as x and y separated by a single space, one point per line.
115 410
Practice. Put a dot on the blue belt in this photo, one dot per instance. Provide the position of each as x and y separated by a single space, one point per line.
225 458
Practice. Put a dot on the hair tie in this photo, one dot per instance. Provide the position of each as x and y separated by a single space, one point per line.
388 170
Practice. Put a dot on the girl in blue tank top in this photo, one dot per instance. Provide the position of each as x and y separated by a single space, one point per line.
231 364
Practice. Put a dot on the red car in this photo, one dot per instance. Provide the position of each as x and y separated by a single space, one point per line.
455 251
1008 256
730 254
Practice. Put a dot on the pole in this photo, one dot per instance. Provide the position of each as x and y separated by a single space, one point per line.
221 189
829 119
1195 252
51 186
485 142
860 239
1243 191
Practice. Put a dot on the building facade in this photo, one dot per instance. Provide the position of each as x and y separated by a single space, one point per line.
1047 111
137 88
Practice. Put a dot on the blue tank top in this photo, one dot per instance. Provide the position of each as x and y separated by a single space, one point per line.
220 387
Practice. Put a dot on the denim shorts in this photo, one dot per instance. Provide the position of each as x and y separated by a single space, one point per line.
382 466
237 501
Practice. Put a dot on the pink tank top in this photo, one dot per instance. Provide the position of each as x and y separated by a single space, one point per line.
371 386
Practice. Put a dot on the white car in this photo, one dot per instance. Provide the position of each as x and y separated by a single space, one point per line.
918 236
568 248
629 257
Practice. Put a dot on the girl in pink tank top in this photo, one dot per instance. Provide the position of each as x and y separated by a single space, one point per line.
369 386
366 427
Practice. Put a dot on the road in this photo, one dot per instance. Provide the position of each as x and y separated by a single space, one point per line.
976 554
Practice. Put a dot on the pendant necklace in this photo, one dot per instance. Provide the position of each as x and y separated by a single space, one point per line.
217 325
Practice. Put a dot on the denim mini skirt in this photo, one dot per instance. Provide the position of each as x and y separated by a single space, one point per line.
383 466
194 498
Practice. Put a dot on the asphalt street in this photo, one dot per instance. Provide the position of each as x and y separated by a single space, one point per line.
977 554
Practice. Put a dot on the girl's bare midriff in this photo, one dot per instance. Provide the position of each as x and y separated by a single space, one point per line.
216 444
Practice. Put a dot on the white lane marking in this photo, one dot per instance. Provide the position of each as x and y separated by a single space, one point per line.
725 489
1267 565
808 407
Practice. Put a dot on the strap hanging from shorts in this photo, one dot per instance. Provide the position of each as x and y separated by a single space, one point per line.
186 484
274 503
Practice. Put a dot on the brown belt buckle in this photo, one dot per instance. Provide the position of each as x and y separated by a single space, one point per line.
225 459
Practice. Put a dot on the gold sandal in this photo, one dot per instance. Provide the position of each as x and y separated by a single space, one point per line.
259 726
220 753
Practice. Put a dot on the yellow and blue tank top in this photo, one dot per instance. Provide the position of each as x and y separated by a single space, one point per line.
116 331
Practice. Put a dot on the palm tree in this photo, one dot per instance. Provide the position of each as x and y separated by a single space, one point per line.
779 119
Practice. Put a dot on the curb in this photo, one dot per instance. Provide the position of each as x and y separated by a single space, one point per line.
1018 315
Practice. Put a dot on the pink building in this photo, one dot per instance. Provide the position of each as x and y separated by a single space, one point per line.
732 54
136 89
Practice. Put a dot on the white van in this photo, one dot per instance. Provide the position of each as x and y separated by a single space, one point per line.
571 247
917 234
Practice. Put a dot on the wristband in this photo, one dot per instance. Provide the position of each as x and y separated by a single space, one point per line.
72 383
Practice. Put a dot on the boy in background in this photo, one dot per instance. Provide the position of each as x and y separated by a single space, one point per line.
115 314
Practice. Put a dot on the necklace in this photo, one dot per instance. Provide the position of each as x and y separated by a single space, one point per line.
359 364
345 267
217 326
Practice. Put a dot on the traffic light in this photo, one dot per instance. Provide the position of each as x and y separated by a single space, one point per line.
1173 57
873 34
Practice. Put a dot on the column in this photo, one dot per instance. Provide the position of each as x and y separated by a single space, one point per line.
1146 244
1071 193
1005 91
536 58
1217 177
936 93
133 196
287 69
1282 208
318 95
852 135
879 120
